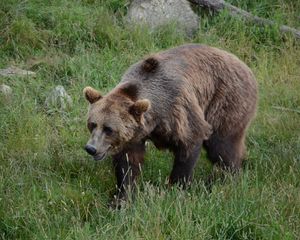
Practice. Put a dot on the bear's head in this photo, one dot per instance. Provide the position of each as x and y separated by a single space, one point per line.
114 120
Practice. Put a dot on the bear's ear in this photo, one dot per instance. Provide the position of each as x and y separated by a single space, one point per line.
91 94
139 107
150 64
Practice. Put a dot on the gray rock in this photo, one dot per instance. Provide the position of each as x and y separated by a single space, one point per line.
58 99
15 71
6 92
155 13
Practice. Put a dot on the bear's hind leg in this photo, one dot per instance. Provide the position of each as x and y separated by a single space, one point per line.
127 167
183 166
227 152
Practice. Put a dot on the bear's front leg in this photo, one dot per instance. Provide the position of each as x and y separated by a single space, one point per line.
184 163
127 165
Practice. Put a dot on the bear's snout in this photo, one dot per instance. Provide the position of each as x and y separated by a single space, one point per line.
90 149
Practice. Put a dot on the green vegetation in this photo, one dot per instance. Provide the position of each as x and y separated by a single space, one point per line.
51 189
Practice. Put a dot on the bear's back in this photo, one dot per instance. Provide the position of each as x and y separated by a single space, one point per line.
192 69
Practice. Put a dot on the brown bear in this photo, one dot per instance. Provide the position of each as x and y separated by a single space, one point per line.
180 99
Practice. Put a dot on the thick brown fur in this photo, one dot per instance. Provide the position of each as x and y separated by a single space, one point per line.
195 95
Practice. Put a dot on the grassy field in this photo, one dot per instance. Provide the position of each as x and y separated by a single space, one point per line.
51 189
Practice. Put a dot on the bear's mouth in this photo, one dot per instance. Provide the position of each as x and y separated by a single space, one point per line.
100 156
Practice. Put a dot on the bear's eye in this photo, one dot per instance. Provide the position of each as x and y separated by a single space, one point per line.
108 130
92 126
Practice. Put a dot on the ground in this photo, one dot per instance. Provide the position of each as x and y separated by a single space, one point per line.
51 189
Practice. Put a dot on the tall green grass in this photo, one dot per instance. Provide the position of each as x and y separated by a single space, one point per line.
50 188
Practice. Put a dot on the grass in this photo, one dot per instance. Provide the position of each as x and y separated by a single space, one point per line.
51 189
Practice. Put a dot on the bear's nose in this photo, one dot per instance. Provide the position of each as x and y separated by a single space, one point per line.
90 149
